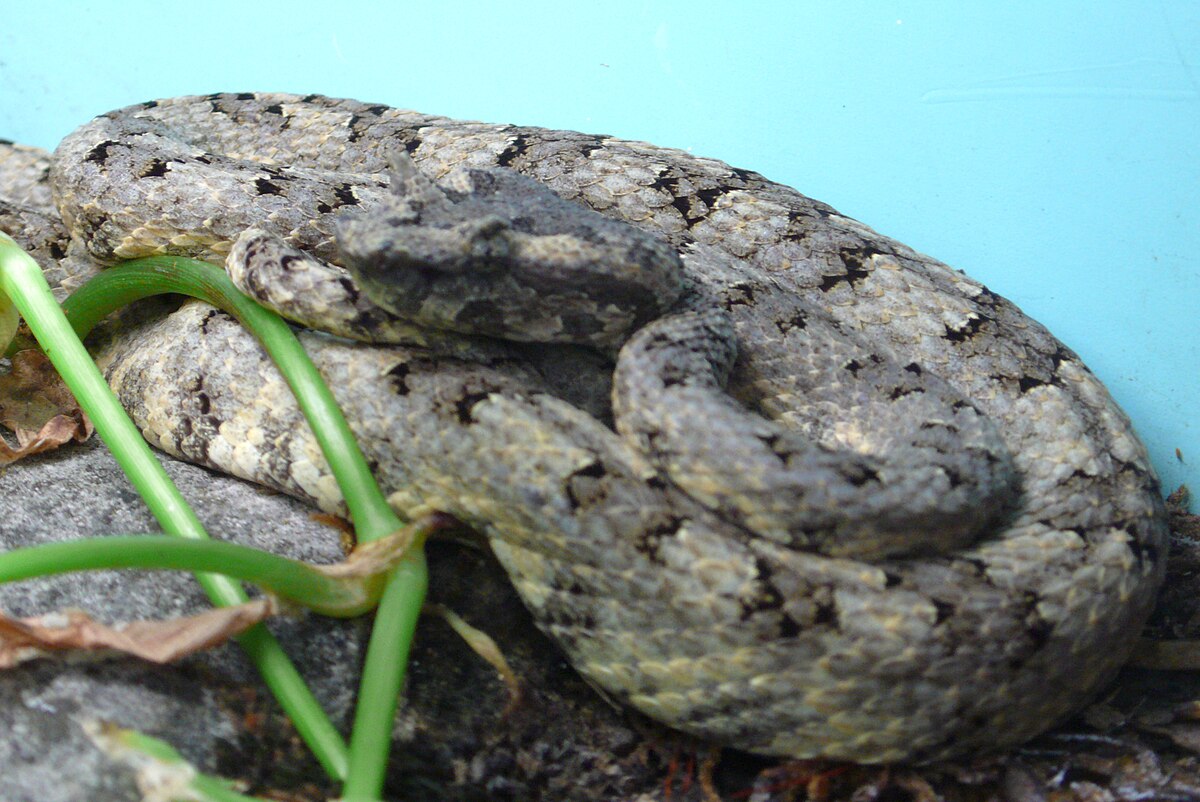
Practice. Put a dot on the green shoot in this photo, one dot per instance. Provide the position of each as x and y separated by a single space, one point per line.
387 653
364 766
162 771
157 275
341 591
22 283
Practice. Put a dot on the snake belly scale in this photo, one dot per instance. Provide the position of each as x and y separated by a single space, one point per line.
846 502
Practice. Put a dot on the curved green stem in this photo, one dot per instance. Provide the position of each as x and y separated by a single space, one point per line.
294 580
387 653
21 279
22 282
156 275
149 755
383 677
400 603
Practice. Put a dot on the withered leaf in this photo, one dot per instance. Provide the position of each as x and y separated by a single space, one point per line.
38 408
483 645
72 632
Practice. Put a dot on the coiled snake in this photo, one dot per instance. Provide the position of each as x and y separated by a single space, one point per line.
845 501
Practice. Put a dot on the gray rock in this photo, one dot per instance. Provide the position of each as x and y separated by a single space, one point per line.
456 739
79 492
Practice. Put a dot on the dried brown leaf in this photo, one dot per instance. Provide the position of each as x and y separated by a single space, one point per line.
38 408
483 645
73 632
374 558
1183 523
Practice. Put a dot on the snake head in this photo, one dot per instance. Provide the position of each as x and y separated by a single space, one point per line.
494 252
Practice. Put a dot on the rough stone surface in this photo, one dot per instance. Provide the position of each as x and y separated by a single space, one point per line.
454 738
79 492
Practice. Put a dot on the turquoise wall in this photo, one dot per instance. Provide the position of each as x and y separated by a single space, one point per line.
1051 150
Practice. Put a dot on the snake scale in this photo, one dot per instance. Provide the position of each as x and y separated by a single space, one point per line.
844 501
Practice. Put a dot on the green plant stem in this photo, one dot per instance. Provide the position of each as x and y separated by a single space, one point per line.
294 580
400 603
22 281
156 275
383 677
136 748
10 318
211 789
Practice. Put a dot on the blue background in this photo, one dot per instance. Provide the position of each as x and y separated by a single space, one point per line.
1051 150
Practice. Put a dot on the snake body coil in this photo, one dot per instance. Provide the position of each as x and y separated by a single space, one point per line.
845 502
